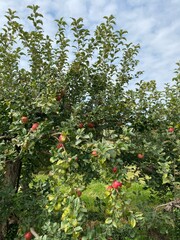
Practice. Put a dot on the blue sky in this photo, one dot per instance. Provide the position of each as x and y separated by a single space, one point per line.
154 24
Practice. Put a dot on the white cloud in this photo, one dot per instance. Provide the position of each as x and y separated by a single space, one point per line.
98 9
76 8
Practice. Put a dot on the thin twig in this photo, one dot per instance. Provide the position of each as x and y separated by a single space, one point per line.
170 205
34 233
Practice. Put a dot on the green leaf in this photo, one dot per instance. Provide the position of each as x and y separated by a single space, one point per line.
78 229
78 142
114 224
108 221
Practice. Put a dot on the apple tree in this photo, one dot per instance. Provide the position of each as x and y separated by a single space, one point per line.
64 123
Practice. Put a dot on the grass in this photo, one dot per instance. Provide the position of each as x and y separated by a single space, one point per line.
138 195
94 190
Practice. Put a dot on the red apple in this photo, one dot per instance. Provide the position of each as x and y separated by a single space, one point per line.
109 188
24 119
58 98
94 153
90 125
34 126
140 155
81 125
60 95
60 145
114 169
62 138
78 192
28 236
171 129
116 184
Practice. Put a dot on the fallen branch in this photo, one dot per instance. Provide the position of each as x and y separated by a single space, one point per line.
169 206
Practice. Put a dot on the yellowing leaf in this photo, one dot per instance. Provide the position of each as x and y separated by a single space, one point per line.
57 207
50 197
165 178
108 221
132 222
107 193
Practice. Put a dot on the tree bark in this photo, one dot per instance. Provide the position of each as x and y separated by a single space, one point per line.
12 173
11 180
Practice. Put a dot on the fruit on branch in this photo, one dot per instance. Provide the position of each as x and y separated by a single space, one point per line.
109 188
58 98
94 153
60 145
78 192
81 125
140 155
62 138
24 119
60 95
171 129
114 169
34 126
116 184
90 125
28 236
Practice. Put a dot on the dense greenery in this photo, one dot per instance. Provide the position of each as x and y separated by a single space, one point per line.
81 155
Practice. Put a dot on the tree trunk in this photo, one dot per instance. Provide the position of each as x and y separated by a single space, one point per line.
3 231
12 173
11 181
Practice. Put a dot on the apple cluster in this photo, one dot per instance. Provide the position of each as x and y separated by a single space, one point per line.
25 120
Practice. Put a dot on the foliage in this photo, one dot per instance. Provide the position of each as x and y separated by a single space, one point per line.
81 123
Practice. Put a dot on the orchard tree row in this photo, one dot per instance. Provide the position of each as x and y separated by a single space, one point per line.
65 124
